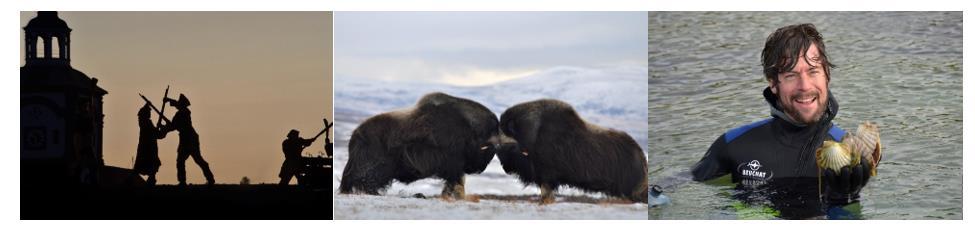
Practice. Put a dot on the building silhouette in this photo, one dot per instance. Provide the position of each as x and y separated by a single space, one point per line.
61 116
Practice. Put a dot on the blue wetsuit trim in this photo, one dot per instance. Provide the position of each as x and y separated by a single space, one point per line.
836 133
734 133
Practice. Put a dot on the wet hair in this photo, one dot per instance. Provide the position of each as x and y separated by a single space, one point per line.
783 47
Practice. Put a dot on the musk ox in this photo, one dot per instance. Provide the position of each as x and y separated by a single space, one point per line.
545 142
442 136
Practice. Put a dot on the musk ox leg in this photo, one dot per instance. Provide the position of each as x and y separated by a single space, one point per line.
364 180
642 192
453 190
369 170
548 194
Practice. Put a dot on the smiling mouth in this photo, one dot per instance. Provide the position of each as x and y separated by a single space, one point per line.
805 100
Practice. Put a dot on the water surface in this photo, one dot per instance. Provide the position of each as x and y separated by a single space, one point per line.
902 70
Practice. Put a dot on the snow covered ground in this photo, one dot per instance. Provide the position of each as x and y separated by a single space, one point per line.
613 97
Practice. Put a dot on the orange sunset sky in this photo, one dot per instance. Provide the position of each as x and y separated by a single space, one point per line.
251 77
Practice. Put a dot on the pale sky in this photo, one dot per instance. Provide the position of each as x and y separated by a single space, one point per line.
476 48
251 77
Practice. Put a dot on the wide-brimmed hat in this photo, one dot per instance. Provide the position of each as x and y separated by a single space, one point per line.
183 101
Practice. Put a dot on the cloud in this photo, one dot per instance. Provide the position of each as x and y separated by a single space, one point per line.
483 46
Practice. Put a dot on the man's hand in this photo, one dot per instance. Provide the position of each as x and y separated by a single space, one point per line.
844 188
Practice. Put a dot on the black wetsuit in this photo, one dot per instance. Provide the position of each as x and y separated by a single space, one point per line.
775 159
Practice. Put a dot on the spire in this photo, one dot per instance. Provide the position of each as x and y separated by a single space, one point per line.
54 35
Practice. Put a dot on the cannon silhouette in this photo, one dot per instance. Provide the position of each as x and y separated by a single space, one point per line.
314 172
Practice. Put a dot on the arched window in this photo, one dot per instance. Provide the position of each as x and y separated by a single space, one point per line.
55 47
38 53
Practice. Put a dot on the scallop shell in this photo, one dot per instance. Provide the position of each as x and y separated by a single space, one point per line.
865 143
834 156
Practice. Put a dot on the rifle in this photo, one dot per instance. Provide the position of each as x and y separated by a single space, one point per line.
328 143
161 116
165 95
327 126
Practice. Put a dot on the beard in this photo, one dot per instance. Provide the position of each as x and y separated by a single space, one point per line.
804 116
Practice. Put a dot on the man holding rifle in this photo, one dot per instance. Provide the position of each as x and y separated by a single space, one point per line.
189 141
292 147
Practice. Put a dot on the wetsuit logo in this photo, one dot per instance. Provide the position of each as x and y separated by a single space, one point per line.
754 165
753 171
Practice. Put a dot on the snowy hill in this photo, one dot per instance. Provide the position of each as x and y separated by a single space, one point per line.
613 97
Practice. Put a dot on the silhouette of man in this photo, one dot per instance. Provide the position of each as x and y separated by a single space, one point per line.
147 155
189 141
292 147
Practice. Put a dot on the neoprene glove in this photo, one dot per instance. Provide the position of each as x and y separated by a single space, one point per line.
844 188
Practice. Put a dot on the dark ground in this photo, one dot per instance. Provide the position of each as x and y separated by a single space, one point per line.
262 201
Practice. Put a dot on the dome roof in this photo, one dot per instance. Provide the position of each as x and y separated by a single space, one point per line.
47 20
58 78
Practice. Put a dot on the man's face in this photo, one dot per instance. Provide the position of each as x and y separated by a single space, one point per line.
802 90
